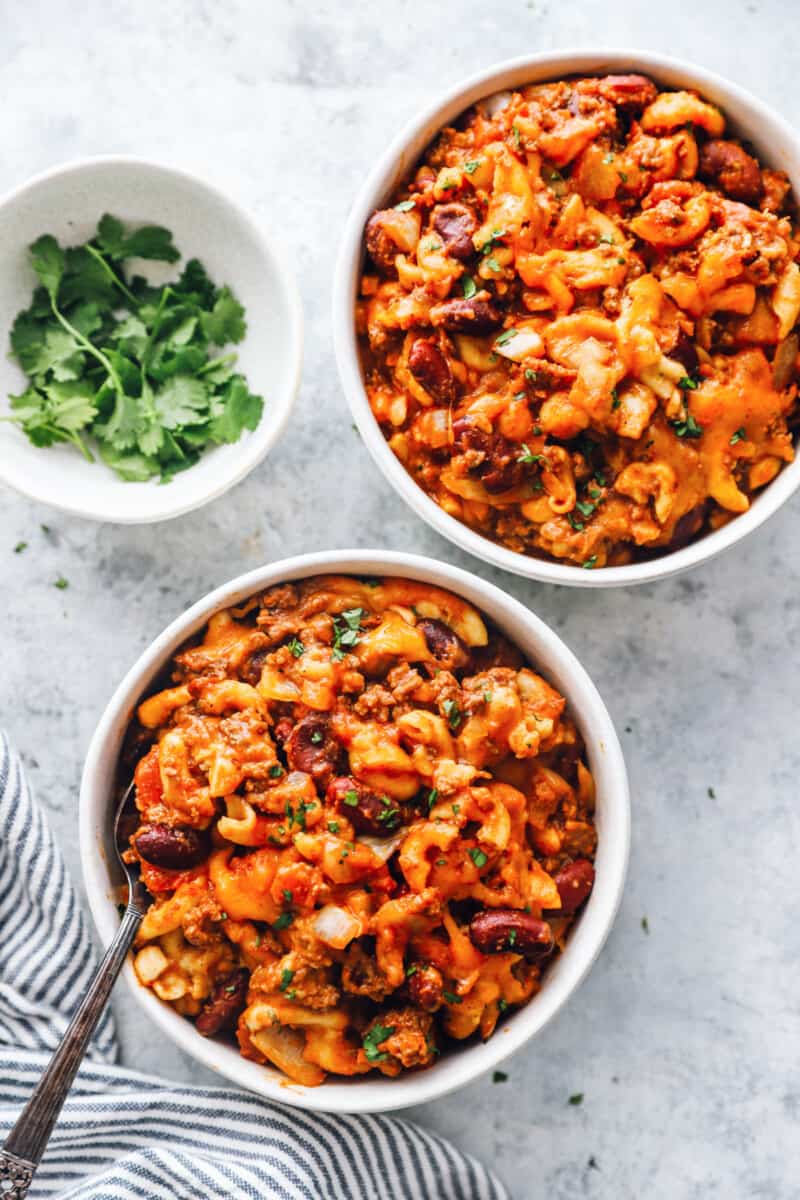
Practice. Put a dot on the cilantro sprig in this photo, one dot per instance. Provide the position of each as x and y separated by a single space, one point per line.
131 370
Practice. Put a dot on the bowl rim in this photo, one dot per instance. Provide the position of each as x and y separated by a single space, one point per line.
391 166
587 939
255 447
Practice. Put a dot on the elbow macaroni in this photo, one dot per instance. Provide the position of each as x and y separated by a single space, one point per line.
316 873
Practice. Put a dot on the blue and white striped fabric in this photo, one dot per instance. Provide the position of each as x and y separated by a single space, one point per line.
127 1136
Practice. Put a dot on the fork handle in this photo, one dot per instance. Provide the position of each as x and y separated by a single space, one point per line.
23 1148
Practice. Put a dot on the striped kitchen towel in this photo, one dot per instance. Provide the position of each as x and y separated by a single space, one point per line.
127 1136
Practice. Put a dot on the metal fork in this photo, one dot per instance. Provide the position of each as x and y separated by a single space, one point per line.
23 1148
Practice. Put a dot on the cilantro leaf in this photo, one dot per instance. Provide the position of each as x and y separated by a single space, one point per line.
373 1039
181 401
150 241
130 466
240 410
47 260
225 323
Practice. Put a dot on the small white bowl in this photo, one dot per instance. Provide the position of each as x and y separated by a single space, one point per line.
548 654
67 202
776 143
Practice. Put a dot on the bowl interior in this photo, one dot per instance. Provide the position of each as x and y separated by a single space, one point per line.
777 145
545 651
68 203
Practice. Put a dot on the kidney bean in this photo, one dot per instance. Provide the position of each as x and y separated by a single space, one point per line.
312 747
252 667
500 468
444 644
455 225
733 169
688 526
631 92
466 316
225 1004
173 847
426 987
431 370
574 883
685 352
380 247
499 930
369 812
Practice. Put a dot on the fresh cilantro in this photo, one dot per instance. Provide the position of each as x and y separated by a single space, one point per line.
688 428
499 1077
505 336
432 795
472 166
276 771
493 264
590 563
288 895
373 1039
412 970
20 546
576 1099
512 938
287 975
615 400
346 631
528 457
738 436
333 826
125 369
351 799
515 136
316 737
712 795
296 647
502 1005
61 583
404 206
284 920
478 857
453 714
687 383
452 998
468 287
645 925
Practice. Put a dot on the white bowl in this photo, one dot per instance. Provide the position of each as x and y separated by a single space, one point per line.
776 143
68 201
547 653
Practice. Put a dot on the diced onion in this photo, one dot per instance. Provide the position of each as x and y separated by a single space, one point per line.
524 344
384 848
495 103
336 926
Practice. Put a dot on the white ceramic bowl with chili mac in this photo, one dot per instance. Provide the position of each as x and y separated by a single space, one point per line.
777 146
548 654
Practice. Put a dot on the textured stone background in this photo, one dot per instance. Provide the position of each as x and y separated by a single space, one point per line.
685 1041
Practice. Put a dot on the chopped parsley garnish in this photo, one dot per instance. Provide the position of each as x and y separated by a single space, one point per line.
432 794
333 826
472 166
404 206
574 522
468 287
125 368
493 264
287 975
453 714
601 479
590 562
351 798
527 456
738 436
688 428
276 771
346 631
512 938
585 507
372 1040
290 995
687 383
645 925
452 998
316 737
515 136
387 815
456 809
499 1077
296 646
502 1005
288 895
20 546
478 857
712 795
615 400
505 336
61 583
576 1099
412 970
283 921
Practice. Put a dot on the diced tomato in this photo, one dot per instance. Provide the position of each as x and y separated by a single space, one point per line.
149 791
